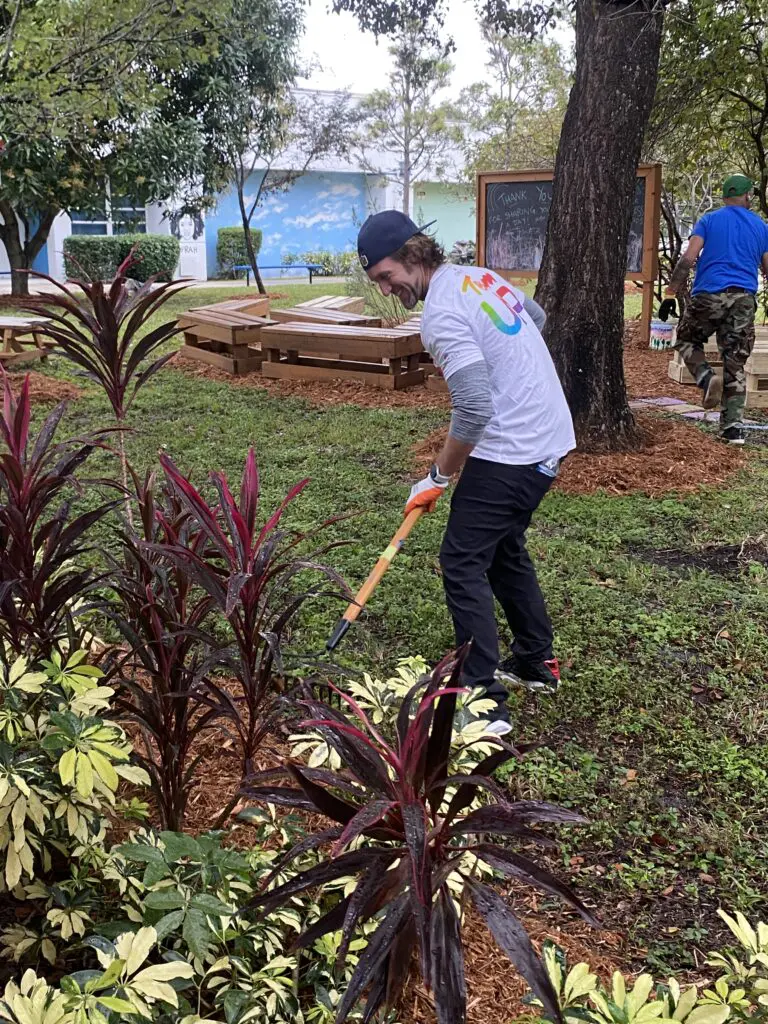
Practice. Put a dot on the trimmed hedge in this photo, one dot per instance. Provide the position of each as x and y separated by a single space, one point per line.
230 247
99 256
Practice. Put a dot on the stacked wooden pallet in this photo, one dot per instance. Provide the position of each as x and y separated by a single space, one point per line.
378 356
757 371
255 307
344 303
299 315
677 370
311 341
224 338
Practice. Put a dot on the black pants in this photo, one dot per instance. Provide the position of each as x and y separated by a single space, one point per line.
483 555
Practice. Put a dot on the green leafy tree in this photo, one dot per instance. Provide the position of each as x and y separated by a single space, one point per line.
710 113
712 98
515 121
402 122
253 124
80 86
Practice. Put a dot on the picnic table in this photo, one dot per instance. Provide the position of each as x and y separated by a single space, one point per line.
22 339
311 267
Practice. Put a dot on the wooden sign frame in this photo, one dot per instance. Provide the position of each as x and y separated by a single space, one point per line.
651 221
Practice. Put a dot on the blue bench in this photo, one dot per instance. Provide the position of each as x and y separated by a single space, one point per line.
313 268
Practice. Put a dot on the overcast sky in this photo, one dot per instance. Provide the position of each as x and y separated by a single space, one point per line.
352 60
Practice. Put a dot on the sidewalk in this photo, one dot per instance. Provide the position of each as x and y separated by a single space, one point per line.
37 287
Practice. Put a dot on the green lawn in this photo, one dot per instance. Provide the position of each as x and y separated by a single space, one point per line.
660 732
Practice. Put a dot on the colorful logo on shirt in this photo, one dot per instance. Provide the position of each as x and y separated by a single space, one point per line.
501 291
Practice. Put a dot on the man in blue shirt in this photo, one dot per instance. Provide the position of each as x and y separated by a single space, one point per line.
729 245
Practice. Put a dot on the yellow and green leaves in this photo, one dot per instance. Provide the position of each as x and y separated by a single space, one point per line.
33 1001
74 676
91 747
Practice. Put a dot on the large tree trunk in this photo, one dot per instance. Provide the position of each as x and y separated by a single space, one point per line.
581 282
21 255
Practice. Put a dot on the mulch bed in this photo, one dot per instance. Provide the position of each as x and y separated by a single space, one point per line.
319 393
44 389
673 455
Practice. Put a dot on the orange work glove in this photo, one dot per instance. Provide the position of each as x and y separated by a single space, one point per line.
424 494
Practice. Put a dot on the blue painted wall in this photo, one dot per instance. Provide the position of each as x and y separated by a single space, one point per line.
40 262
320 211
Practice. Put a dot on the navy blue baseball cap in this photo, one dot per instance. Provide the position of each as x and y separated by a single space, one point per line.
384 233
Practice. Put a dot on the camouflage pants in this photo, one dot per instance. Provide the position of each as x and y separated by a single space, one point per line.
730 315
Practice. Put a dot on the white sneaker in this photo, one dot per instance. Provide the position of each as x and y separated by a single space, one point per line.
499 727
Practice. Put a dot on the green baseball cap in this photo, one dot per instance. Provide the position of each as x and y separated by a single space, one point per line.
737 185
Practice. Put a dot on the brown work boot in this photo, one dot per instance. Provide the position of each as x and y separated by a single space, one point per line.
712 386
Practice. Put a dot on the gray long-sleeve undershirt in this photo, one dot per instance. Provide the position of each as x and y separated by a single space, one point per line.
470 390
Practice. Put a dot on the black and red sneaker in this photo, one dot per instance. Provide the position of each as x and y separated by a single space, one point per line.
537 676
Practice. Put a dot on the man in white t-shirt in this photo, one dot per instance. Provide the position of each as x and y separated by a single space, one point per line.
510 427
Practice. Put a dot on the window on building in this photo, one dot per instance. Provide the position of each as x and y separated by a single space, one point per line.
90 222
118 215
127 218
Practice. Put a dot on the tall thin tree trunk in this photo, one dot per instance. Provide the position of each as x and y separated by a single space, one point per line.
249 242
581 282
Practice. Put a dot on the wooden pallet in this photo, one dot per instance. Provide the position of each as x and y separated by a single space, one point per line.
678 372
227 339
436 382
376 356
252 307
343 303
297 315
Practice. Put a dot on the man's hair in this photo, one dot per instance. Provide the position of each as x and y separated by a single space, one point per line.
420 250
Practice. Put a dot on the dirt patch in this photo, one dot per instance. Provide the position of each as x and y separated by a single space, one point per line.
318 393
673 456
44 390
724 559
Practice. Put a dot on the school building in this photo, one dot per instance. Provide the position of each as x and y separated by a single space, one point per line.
322 210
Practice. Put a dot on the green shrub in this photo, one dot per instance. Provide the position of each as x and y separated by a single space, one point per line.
98 256
60 764
334 264
231 249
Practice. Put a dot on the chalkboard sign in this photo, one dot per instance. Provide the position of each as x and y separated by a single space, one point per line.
512 213
516 214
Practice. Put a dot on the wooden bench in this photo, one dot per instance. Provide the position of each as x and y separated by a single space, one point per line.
376 356
22 339
295 314
227 339
255 307
345 303
311 267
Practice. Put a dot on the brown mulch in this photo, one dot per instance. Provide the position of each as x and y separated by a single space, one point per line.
495 990
318 393
645 372
44 389
674 455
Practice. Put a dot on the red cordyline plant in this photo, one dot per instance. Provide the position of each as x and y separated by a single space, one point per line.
39 539
106 334
415 831
249 573
162 616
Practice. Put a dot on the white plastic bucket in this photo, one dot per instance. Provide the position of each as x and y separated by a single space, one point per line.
662 334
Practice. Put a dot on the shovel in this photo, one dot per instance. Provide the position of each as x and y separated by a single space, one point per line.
384 562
